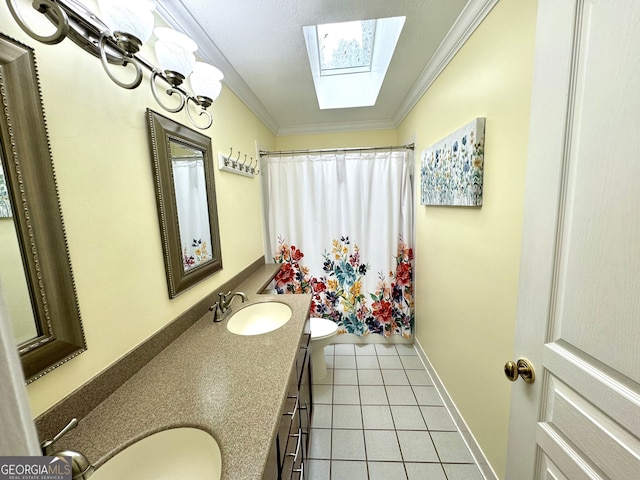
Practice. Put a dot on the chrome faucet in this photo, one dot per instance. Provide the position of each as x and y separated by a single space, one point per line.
81 469
221 309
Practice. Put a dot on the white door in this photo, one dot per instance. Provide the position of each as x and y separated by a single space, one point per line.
579 294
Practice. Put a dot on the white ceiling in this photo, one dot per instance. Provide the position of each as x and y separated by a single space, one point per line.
260 48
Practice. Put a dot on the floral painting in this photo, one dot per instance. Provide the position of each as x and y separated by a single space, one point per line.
5 204
195 254
452 169
339 291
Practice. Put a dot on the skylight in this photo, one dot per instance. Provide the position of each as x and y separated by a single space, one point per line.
349 60
345 47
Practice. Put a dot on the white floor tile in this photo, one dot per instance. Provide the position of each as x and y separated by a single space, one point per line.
321 416
416 446
317 469
419 377
451 447
406 350
343 470
347 416
427 395
400 395
368 349
412 363
377 417
382 445
378 408
320 443
373 395
394 377
367 362
347 445
382 349
386 471
438 418
344 349
407 417
323 394
390 362
369 377
345 377
462 472
346 395
423 471
344 361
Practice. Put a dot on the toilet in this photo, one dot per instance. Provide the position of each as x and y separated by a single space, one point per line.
322 333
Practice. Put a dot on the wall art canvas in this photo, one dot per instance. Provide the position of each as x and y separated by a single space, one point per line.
452 169
5 205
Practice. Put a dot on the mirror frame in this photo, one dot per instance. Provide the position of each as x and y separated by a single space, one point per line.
28 166
162 131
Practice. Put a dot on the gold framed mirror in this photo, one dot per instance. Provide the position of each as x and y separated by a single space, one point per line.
38 285
185 193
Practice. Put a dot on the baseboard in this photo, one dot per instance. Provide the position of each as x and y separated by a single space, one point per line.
481 460
371 338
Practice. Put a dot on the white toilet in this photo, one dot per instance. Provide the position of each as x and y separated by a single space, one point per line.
322 333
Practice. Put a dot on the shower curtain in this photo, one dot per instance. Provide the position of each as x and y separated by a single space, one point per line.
193 214
341 225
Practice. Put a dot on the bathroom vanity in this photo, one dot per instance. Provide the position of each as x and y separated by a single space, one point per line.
289 450
251 393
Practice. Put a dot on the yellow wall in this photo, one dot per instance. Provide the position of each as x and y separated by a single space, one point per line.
467 259
368 138
101 154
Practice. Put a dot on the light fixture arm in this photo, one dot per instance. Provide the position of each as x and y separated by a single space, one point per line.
202 112
62 25
169 92
125 60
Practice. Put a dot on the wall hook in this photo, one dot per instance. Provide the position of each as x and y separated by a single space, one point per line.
237 165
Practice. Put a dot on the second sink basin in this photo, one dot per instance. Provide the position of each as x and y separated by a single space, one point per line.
169 454
259 318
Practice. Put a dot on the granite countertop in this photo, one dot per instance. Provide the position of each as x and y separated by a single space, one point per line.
231 386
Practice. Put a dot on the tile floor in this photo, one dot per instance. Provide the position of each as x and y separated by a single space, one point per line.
377 416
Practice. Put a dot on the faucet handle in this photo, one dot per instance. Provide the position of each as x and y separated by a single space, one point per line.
47 443
81 468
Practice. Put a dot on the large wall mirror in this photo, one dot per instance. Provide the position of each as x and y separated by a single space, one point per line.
185 192
35 270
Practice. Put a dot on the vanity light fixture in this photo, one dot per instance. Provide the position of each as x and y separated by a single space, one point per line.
127 25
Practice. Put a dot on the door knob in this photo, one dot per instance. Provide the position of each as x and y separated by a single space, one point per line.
522 367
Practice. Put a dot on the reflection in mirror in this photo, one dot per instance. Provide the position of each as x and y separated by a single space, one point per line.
190 187
54 334
13 281
185 193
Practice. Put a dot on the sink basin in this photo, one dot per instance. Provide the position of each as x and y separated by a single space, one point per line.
176 453
259 318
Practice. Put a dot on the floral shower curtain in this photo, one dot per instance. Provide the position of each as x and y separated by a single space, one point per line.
193 213
341 224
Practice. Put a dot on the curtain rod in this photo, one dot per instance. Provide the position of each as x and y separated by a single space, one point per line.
266 153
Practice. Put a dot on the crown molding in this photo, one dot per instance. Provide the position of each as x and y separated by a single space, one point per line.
319 128
469 19
176 15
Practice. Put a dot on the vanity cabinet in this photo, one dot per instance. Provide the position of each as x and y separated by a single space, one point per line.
291 445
